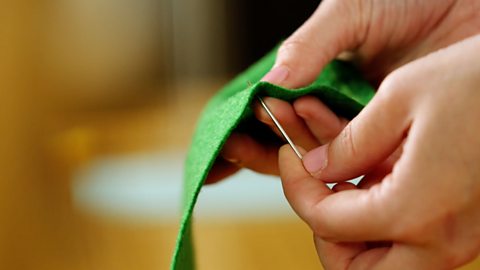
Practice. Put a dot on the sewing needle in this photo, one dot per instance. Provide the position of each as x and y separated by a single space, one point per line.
280 128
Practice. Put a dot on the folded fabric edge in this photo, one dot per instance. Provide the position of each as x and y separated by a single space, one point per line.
184 248
262 88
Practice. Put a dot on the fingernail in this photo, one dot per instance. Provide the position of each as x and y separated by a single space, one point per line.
316 160
276 76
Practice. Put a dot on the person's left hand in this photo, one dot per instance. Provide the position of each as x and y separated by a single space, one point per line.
418 144
307 121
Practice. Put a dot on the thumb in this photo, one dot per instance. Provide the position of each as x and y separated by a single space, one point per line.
300 188
335 26
365 142
334 216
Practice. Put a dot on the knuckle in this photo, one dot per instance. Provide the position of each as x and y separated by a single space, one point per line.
392 87
291 47
395 93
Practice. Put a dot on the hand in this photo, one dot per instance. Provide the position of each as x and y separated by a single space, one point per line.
417 212
383 36
307 121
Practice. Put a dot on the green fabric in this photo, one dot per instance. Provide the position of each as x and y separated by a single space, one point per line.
339 86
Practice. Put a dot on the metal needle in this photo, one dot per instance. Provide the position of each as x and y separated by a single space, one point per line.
280 128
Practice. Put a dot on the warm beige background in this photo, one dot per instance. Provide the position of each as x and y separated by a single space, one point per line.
58 111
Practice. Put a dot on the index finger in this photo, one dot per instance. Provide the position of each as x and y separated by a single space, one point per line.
345 216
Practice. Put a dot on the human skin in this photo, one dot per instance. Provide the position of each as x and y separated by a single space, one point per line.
417 141
382 36
418 210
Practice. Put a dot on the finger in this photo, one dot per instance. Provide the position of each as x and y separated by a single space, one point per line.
221 170
321 121
368 259
365 142
337 255
352 256
376 175
342 186
352 216
369 180
347 216
334 27
401 256
398 256
294 126
244 151
301 189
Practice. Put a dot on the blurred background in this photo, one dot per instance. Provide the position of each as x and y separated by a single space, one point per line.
99 99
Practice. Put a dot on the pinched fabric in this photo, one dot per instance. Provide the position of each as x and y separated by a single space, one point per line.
339 86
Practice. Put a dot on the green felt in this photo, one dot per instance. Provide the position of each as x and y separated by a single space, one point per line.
339 86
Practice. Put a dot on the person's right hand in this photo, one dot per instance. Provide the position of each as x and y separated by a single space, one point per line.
418 208
382 35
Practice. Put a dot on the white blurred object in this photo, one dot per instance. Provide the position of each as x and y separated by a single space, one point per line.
149 187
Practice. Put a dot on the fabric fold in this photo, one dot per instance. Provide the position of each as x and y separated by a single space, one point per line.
340 86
